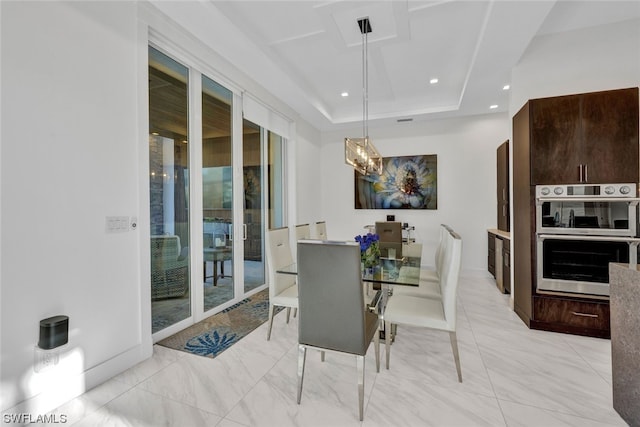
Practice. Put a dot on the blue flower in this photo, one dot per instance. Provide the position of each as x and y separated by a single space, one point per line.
366 240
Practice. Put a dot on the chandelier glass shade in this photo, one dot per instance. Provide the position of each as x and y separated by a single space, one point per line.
362 155
360 152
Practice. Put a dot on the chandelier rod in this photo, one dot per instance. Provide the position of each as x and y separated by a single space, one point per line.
365 29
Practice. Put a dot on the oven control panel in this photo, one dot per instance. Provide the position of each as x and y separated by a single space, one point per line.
586 190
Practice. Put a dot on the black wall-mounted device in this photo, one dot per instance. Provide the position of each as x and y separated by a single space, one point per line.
54 332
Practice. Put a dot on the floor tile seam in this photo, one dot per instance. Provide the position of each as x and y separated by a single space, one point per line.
148 378
180 402
454 387
552 410
484 365
235 405
98 408
585 360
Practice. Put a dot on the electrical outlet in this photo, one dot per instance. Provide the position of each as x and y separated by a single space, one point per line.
45 359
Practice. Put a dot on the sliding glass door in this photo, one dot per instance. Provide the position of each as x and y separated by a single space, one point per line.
168 191
264 201
217 194
200 145
253 205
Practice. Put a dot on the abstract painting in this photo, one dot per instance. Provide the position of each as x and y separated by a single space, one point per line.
408 182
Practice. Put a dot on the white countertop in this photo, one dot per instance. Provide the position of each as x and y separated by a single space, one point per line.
503 234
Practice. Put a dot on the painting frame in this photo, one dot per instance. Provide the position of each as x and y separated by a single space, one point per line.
406 182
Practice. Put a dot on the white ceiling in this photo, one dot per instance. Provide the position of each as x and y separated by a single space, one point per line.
469 46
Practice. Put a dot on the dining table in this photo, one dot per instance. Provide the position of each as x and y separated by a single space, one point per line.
383 275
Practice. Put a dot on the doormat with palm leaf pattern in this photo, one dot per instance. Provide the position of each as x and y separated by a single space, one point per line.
213 335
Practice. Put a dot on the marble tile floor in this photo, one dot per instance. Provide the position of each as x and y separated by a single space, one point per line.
512 376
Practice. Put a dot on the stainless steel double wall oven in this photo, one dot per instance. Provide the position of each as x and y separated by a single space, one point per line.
580 229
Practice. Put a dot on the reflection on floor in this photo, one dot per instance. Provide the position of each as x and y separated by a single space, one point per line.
511 376
168 311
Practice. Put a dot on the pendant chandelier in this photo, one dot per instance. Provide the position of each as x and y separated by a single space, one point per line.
360 152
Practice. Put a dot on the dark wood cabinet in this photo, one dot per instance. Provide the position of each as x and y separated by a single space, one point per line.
523 227
502 186
498 258
586 138
506 266
491 253
610 128
571 315
555 140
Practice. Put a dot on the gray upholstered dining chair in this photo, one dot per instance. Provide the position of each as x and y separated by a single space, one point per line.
303 231
283 290
333 316
431 313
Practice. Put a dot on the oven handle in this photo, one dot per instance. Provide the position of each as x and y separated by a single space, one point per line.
590 237
631 200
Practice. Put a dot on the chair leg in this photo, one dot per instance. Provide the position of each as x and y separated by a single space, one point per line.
295 312
322 356
376 341
387 342
360 363
456 355
288 313
272 309
302 352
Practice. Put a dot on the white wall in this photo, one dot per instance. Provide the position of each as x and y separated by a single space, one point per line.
589 60
309 171
466 150
70 152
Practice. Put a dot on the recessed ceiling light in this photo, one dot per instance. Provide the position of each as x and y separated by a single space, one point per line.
494 106
433 81
506 87
344 94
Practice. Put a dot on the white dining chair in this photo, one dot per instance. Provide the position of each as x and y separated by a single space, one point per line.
283 290
431 313
303 232
320 230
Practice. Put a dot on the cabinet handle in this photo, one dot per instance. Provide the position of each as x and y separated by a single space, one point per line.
504 194
586 173
580 172
504 210
576 313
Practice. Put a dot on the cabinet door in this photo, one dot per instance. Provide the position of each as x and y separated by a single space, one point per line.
506 266
491 254
570 315
555 140
610 129
502 186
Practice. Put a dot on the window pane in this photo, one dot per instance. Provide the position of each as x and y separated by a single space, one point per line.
252 143
217 194
168 190
276 187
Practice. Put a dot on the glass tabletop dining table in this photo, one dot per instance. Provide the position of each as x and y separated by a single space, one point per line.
403 271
